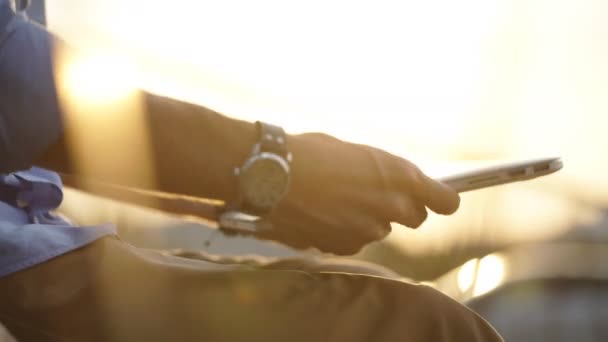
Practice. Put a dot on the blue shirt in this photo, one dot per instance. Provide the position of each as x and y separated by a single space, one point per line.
30 120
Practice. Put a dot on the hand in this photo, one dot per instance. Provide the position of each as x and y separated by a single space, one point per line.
344 195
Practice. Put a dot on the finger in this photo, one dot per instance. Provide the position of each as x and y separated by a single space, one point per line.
409 212
387 206
345 243
418 217
351 243
439 197
287 233
341 232
347 229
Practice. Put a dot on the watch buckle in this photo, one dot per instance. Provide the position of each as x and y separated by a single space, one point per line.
239 221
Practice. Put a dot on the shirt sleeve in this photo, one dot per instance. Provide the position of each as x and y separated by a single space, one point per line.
30 117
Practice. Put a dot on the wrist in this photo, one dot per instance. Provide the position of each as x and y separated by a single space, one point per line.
263 177
234 145
196 149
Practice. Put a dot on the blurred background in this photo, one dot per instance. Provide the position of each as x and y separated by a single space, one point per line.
447 84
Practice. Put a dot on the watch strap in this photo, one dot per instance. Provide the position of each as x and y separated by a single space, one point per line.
272 138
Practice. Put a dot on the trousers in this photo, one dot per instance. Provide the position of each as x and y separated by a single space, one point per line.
113 291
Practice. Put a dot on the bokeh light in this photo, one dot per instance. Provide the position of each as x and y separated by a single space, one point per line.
466 275
490 274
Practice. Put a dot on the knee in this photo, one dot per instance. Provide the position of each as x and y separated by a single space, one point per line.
395 310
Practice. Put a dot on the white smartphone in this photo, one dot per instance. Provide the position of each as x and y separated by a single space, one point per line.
502 174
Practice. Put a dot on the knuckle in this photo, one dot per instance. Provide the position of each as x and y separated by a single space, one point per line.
417 181
411 172
396 206
422 184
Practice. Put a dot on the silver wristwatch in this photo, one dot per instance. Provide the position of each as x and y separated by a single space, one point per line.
263 180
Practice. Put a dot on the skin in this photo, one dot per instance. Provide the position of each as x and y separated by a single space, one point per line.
345 195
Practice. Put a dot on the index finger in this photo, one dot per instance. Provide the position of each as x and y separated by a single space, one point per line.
439 197
433 194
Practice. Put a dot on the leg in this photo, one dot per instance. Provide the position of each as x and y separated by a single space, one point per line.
109 291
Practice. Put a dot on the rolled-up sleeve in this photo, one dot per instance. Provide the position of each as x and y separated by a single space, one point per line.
30 117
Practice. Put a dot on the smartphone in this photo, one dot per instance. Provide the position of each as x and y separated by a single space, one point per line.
502 174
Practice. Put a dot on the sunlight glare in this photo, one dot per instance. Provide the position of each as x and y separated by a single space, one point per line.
466 275
104 117
490 274
99 77
368 72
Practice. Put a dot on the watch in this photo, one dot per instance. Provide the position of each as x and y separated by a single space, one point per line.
263 179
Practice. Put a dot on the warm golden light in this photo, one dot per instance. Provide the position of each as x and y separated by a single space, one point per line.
473 79
490 273
104 117
359 64
99 78
428 283
466 275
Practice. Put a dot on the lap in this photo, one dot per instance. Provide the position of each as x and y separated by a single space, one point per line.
4 335
110 291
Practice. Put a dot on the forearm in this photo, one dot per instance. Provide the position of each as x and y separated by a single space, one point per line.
193 150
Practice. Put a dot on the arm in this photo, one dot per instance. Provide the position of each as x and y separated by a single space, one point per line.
194 151
342 195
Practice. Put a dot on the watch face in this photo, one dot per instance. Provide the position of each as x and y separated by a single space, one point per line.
264 180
